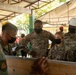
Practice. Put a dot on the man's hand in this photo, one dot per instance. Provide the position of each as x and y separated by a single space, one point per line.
40 67
43 65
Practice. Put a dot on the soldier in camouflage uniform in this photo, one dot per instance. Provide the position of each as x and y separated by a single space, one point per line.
38 40
58 51
9 32
8 36
70 40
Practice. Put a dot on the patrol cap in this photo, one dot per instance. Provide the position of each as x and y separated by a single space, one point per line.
8 26
72 22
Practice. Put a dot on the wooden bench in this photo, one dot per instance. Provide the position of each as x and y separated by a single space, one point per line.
22 66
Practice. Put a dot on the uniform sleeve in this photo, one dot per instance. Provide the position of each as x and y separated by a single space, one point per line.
52 38
70 56
50 53
25 42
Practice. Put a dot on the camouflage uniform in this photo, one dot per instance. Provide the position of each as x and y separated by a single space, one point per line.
58 52
39 42
70 41
3 64
6 49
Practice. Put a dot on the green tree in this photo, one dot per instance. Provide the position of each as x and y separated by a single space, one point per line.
22 22
41 11
62 0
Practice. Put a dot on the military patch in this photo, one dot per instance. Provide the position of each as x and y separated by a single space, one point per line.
3 65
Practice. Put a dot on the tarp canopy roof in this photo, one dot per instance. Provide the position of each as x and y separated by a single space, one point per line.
12 8
61 14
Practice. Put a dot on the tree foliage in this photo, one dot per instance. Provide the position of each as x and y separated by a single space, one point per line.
62 0
41 11
22 22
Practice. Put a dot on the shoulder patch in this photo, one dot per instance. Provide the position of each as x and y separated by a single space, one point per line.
3 65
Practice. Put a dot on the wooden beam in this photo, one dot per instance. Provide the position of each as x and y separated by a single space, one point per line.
11 8
7 16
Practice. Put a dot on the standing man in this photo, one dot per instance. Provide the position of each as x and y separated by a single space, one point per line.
70 40
38 40
20 41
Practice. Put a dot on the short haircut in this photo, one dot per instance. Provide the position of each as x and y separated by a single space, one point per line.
38 21
22 35
9 26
